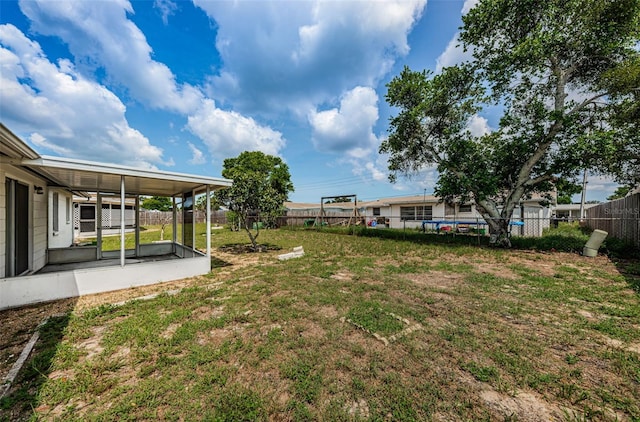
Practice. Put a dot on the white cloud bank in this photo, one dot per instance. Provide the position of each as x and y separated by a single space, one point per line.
75 117
100 35
454 53
296 55
227 133
349 127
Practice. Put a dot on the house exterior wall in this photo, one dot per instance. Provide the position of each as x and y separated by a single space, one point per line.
3 223
396 222
63 236
37 231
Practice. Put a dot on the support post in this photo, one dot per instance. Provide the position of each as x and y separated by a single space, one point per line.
137 212
208 213
122 225
174 223
99 225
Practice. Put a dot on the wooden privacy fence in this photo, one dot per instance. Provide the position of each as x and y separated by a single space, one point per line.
619 218
151 218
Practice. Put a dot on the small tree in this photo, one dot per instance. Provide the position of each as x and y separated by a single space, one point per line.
566 74
158 203
201 203
261 185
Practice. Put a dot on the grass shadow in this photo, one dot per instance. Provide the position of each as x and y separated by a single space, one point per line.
630 270
219 263
243 248
23 394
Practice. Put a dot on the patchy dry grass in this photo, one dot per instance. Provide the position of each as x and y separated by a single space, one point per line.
503 335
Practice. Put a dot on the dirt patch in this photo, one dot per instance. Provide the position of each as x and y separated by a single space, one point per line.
238 249
436 279
204 313
342 276
524 406
495 270
170 331
214 337
328 312
359 409
92 344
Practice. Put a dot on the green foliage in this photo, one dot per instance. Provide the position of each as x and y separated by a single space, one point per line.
620 192
159 203
201 203
261 185
566 189
528 57
338 200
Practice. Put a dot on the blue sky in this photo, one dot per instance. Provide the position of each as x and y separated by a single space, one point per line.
182 85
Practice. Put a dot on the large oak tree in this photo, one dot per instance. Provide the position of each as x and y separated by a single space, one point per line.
566 75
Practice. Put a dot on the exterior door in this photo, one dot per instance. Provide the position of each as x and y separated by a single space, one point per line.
17 227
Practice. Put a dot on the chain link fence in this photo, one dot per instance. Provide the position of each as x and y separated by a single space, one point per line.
619 219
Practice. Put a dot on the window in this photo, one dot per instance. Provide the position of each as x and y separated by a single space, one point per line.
464 208
407 213
56 223
376 211
416 213
424 212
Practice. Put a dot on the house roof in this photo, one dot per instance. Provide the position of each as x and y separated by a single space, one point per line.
338 206
415 199
80 175
572 207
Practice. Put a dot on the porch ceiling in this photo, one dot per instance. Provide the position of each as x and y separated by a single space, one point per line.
93 177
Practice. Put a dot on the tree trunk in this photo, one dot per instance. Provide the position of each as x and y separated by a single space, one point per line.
499 233
498 222
254 243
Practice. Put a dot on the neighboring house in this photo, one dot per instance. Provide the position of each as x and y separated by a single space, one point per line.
38 258
405 212
85 213
312 209
412 211
570 212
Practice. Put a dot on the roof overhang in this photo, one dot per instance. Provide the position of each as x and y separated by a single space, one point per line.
79 175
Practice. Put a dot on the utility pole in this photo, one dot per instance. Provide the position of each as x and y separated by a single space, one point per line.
584 194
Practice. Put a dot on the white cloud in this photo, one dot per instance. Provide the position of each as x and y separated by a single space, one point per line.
297 55
62 111
349 127
478 126
100 35
468 5
197 156
599 187
167 8
227 133
454 53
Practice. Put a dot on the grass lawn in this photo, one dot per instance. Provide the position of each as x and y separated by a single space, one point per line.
360 328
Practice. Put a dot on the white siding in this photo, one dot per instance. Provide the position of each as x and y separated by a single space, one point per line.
63 238
3 225
37 217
